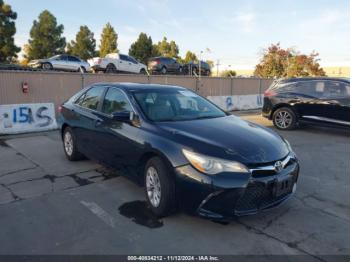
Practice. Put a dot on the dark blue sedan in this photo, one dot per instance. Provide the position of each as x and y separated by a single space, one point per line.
184 150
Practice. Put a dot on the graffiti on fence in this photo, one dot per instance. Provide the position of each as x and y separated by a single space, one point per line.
21 118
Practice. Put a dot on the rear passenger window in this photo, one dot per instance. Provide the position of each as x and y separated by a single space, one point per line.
92 97
335 90
123 57
311 88
115 101
347 90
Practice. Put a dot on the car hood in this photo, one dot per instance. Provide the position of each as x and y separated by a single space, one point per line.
228 137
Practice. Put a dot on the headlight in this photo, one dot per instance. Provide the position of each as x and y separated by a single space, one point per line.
211 165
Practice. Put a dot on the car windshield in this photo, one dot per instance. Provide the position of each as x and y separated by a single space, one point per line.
175 105
55 57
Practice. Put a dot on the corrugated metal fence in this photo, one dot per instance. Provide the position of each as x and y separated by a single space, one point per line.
56 87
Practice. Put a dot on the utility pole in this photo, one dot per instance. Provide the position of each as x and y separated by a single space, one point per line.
217 67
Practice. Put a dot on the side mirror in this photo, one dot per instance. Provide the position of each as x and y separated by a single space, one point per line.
123 116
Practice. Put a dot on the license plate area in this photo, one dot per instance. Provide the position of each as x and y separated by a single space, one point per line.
283 187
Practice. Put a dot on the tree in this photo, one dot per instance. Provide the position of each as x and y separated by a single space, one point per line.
45 37
8 49
109 40
167 49
190 57
142 48
278 62
84 45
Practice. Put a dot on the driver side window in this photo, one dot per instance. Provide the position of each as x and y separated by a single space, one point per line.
115 101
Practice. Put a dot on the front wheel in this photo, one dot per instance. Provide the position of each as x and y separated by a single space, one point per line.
70 145
284 119
46 66
159 187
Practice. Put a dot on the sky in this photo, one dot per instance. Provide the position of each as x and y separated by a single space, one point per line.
235 32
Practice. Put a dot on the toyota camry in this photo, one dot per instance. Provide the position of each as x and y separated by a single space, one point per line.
186 152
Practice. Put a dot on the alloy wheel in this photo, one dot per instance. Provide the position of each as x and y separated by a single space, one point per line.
153 186
68 143
283 119
47 66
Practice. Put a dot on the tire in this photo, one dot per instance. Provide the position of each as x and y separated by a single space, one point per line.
110 69
70 145
284 118
81 69
46 66
163 71
194 71
163 185
143 71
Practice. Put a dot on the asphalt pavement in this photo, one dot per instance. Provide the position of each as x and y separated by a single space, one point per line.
49 205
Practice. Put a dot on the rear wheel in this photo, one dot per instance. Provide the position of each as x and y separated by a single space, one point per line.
163 70
81 69
194 71
70 145
284 118
110 69
159 187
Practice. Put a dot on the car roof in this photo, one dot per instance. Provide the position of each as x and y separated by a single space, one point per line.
301 79
137 86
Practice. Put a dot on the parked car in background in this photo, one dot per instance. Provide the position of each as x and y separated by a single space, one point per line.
183 149
308 100
114 63
61 62
192 68
164 65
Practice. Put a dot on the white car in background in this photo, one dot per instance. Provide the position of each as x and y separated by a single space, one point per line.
61 62
115 62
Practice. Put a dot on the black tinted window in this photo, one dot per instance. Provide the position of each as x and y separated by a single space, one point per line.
311 88
131 59
91 98
336 90
123 57
115 101
59 57
167 60
73 59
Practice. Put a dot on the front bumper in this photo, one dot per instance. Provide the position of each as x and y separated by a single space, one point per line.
35 65
229 195
97 68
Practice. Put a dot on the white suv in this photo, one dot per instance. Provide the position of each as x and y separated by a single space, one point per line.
114 63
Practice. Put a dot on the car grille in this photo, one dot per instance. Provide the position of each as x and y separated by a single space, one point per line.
254 194
257 196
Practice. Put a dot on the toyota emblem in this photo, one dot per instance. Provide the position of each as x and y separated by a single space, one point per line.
278 166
